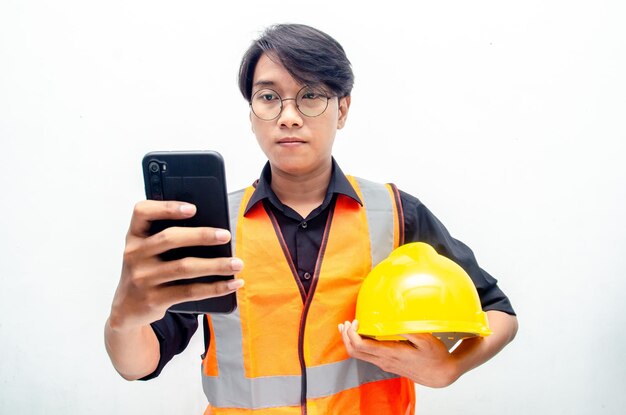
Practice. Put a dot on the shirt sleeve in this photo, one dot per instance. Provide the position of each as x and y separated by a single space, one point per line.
174 331
420 225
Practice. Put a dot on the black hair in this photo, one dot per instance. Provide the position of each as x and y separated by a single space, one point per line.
309 55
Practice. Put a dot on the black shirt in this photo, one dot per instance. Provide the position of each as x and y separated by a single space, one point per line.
303 237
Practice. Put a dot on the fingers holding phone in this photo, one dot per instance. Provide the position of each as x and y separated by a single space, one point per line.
179 237
147 211
148 285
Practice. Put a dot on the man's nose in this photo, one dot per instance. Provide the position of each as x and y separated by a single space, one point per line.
290 116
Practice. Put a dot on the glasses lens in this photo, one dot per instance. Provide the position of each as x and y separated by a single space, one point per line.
266 104
311 102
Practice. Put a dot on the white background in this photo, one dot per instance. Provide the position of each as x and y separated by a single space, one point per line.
507 119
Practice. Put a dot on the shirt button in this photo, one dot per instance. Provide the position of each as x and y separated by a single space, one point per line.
304 225
307 276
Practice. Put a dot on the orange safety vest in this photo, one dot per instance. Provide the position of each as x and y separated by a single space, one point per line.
280 351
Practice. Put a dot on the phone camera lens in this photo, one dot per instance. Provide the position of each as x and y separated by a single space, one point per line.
154 166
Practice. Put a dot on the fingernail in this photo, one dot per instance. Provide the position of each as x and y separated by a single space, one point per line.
340 327
187 209
355 324
222 235
236 264
235 284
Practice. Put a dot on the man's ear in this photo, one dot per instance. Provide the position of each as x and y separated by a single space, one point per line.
251 123
344 106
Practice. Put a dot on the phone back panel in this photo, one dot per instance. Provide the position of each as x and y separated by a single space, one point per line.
196 177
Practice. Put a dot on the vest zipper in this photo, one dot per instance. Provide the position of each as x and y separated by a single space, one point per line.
307 306
306 299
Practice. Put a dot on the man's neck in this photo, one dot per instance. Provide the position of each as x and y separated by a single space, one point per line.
302 193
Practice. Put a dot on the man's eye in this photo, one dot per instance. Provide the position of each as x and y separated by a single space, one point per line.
311 95
266 95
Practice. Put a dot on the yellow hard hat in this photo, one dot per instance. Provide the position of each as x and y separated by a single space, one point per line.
416 290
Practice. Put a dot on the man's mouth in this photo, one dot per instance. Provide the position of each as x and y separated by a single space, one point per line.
291 140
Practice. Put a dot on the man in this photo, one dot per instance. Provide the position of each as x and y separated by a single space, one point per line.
304 231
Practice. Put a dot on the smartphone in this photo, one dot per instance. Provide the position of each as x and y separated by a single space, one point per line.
196 177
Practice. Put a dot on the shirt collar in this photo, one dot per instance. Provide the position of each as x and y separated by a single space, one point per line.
338 184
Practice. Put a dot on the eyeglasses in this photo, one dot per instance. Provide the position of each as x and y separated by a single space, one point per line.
267 103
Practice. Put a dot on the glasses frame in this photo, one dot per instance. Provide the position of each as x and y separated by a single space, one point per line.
282 100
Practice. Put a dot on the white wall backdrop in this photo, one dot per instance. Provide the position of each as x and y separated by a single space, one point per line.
506 118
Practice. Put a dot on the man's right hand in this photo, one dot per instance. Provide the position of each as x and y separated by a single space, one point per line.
145 291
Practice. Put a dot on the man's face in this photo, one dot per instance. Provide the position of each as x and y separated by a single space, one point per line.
295 144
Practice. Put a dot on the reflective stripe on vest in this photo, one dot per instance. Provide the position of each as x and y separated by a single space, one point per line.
380 218
233 386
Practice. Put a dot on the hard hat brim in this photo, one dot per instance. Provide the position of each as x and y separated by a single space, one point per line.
393 330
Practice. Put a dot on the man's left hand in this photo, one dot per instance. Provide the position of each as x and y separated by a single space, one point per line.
422 357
